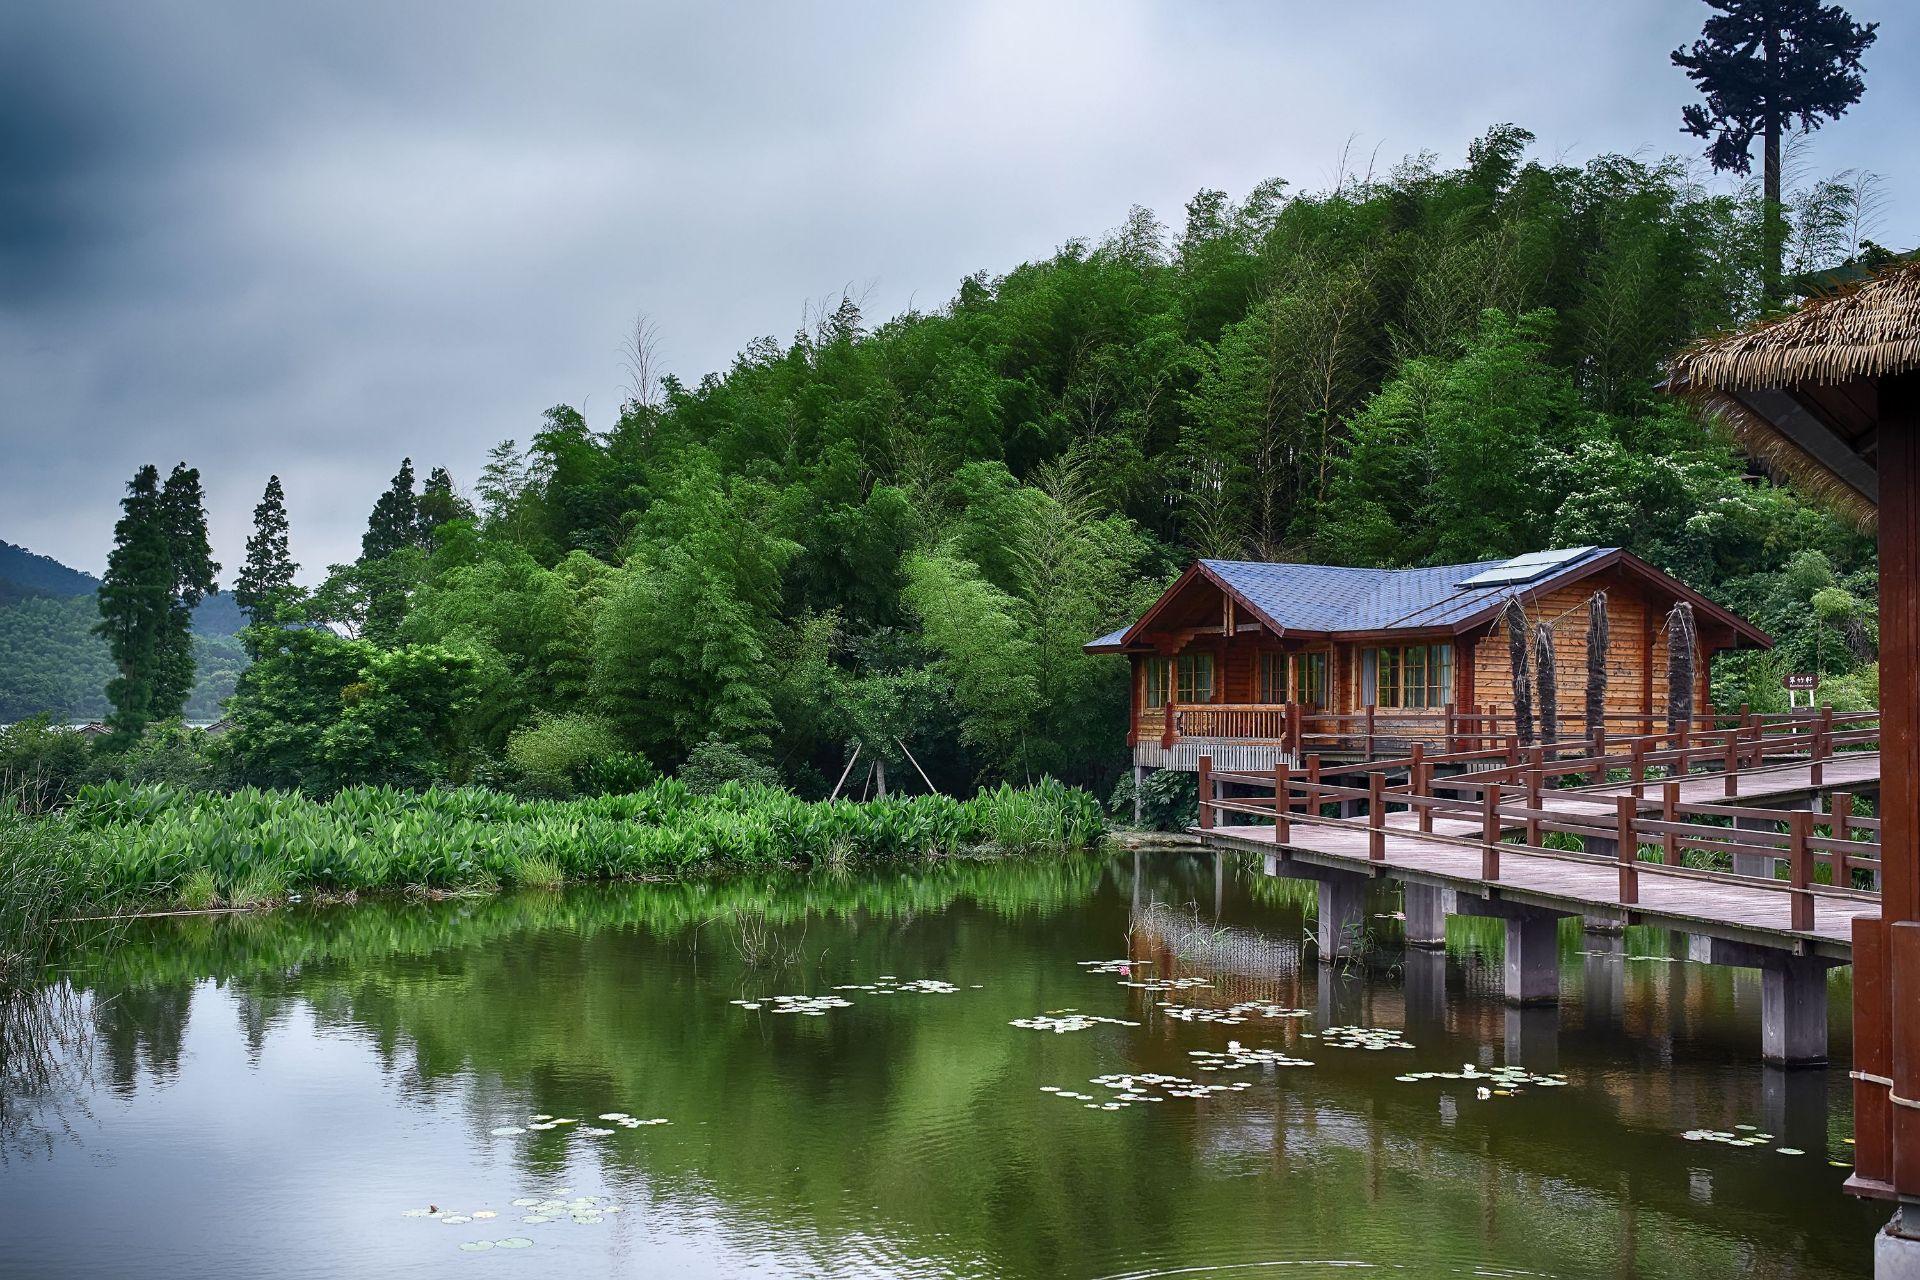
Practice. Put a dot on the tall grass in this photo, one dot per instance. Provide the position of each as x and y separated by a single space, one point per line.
44 873
165 845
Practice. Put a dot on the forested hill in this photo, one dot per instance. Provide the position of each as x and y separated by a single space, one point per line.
51 662
27 573
899 534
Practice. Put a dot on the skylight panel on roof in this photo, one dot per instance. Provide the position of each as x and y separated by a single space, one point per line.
1535 564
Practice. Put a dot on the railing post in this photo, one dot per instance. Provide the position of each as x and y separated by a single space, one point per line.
1637 768
1513 753
1206 792
1600 752
1537 757
1534 789
1376 817
1417 780
1684 745
1800 870
1732 763
1451 741
1627 845
1294 729
1313 785
1490 832
1282 803
1669 812
1369 731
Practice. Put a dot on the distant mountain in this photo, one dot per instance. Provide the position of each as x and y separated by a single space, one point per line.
51 660
43 575
27 575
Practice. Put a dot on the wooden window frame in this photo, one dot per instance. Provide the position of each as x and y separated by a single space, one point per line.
1412 677
1302 685
1187 670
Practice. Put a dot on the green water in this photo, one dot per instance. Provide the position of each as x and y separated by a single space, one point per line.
269 1095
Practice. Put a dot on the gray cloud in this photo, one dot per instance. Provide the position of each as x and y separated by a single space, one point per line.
310 239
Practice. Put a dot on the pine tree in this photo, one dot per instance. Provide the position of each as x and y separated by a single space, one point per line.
395 522
1764 65
268 572
136 597
438 504
182 512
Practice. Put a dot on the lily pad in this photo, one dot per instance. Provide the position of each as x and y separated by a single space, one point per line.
513 1242
475 1246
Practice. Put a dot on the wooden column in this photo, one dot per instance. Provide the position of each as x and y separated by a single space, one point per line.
1899 466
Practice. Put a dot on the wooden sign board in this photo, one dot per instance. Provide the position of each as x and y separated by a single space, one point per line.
1801 681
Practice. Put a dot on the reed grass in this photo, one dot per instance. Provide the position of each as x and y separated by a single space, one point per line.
167 846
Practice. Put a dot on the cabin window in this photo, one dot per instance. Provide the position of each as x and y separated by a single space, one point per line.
1193 677
1158 672
1409 676
1310 679
1273 677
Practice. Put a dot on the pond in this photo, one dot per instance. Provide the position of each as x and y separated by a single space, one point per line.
606 1081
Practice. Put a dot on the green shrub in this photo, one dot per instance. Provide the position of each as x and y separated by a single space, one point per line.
40 764
1169 800
550 754
715 763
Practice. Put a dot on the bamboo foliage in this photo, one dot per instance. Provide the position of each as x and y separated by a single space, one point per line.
1597 637
1681 637
1516 619
1549 681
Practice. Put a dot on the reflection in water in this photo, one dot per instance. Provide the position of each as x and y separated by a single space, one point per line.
274 1092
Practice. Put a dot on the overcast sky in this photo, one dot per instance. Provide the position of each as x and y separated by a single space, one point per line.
309 239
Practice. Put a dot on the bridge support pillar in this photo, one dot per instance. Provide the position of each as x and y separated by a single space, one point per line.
1426 909
1353 807
1793 1011
1340 932
1533 958
1896 1250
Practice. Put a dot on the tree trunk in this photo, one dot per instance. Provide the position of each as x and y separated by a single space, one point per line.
1773 228
1680 646
1548 677
1597 636
1773 235
1517 654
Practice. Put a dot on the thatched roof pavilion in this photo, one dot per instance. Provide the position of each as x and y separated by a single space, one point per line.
1801 393
1830 397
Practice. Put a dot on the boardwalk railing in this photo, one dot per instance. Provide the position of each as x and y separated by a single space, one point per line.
1644 823
1300 729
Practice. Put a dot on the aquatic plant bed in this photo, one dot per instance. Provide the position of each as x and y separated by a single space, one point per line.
165 846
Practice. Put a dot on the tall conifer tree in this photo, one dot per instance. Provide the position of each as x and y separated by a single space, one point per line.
135 597
182 513
1764 66
268 572
395 522
438 504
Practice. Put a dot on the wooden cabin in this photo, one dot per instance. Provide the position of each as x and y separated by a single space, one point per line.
1254 663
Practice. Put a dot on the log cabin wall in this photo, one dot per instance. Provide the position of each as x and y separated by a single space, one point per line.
1636 654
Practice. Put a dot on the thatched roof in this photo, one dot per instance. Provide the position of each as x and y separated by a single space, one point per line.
1869 330
1790 389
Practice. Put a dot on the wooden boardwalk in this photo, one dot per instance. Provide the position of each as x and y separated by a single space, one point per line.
1716 904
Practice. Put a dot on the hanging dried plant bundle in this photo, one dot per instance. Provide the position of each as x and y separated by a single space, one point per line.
1516 619
1549 681
1596 663
1680 650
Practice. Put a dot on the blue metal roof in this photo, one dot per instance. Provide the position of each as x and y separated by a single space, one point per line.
1319 597
1334 598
